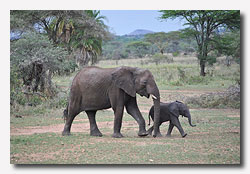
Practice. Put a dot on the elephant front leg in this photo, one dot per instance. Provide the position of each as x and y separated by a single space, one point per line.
118 122
177 123
133 110
94 131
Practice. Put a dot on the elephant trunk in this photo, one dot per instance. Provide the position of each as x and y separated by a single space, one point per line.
189 121
153 90
156 117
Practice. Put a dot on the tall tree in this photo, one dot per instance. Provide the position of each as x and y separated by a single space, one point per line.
202 24
160 40
138 48
88 38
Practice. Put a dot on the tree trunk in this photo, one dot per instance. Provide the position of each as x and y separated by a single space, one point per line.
162 51
202 66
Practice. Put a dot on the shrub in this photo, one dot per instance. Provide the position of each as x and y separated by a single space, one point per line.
157 58
175 54
226 99
33 60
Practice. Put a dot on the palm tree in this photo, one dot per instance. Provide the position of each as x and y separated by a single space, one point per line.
84 36
96 14
88 39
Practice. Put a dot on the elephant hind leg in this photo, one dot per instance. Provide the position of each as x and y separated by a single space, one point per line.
70 113
170 128
69 119
94 131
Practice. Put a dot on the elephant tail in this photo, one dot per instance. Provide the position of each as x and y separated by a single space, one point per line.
65 113
148 118
151 112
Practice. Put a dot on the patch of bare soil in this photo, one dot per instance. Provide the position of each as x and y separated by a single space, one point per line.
58 128
233 116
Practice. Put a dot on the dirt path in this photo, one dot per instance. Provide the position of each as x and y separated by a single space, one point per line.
78 127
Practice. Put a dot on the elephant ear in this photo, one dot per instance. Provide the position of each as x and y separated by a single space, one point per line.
123 78
174 109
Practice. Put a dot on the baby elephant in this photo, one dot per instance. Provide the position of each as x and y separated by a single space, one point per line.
170 112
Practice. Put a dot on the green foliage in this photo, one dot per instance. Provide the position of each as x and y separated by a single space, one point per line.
138 48
116 48
31 57
175 54
16 95
202 24
73 29
59 101
172 42
37 47
157 58
159 39
69 66
228 43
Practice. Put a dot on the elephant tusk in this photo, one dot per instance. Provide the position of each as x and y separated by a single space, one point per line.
154 97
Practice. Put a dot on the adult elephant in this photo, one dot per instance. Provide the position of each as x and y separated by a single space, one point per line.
95 88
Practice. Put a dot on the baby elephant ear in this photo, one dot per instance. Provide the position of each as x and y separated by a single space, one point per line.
123 79
174 109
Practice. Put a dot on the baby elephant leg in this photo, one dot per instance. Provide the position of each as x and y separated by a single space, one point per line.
177 123
170 128
150 130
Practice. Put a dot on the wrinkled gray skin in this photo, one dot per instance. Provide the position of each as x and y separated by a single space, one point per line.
170 112
95 88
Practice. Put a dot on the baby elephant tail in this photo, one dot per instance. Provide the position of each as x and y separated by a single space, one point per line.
151 113
148 118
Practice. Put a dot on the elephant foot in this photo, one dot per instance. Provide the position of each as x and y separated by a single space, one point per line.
183 136
142 133
157 135
117 135
96 133
168 135
66 133
149 133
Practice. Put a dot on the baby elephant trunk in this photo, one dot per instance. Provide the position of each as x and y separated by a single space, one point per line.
189 121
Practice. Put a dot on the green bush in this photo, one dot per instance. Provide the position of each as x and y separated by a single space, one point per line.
34 60
16 94
60 101
175 54
157 58
195 80
229 98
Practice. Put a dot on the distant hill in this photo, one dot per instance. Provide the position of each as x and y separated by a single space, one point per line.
139 32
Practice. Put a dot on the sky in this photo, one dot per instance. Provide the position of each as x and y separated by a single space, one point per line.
122 22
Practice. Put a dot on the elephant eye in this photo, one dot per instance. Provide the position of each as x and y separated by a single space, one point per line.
144 82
